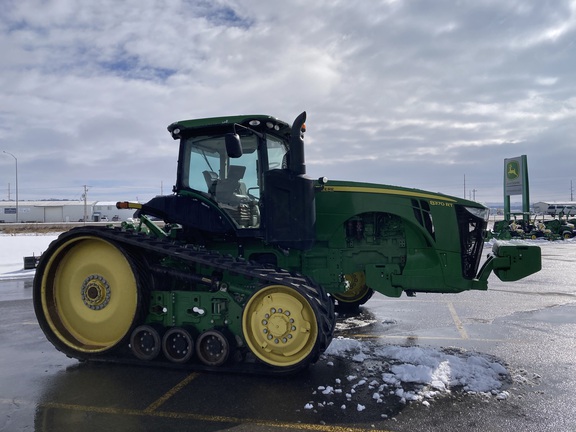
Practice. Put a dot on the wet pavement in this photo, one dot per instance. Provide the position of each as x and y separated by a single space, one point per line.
529 325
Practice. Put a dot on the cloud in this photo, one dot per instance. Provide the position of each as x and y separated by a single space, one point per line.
408 93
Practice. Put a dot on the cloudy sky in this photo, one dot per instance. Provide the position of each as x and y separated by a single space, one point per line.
416 93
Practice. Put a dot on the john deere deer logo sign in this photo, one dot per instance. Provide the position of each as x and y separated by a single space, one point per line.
514 175
516 183
513 170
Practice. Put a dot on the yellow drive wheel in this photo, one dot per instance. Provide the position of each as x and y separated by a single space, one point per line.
88 295
357 294
280 326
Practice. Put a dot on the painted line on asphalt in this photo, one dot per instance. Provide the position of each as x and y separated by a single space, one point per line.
16 402
416 337
160 401
205 418
457 321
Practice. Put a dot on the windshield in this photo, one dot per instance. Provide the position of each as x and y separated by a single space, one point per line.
206 161
276 153
232 182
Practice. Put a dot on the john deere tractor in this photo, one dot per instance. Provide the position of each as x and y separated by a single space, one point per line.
242 267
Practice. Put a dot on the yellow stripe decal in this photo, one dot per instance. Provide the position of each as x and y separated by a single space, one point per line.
385 191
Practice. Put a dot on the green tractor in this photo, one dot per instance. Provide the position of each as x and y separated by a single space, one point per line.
553 229
560 228
251 257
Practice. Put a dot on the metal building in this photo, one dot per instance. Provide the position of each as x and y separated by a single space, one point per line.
61 211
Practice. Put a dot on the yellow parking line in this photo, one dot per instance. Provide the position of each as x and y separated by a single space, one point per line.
205 418
159 402
15 402
415 338
457 321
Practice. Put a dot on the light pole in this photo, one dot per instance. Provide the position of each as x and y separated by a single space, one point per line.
16 160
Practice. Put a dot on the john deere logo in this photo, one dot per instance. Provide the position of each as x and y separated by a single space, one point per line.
512 170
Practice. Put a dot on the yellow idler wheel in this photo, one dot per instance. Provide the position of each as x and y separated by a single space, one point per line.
357 294
89 295
357 290
280 326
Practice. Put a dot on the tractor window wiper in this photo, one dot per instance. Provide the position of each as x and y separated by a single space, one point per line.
207 161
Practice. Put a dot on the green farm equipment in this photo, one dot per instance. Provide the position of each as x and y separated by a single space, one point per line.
242 267
552 229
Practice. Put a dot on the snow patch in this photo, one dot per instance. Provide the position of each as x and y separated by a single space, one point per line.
13 249
411 374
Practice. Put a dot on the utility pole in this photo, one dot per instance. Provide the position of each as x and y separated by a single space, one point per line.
472 194
8 191
571 192
15 160
464 186
85 196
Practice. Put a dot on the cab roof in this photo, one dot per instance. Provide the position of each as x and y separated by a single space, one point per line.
260 122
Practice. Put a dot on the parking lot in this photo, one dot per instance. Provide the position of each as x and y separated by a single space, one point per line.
528 326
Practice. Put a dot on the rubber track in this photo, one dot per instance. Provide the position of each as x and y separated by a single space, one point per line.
143 244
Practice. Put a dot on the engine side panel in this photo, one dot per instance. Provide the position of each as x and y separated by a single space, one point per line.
403 240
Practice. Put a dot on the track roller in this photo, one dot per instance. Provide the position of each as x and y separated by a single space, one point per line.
145 342
178 345
213 348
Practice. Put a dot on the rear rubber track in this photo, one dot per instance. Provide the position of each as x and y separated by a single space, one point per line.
141 244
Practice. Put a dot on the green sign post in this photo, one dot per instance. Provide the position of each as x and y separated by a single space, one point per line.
516 183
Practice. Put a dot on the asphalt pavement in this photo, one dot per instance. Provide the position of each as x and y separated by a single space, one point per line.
529 326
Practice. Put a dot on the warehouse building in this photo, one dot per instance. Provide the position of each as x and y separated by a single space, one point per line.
61 211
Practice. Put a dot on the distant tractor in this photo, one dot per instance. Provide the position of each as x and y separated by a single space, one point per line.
553 229
251 257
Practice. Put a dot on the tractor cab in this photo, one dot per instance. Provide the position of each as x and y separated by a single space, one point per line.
251 168
228 170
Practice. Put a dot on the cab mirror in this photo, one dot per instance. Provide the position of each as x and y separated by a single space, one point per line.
233 145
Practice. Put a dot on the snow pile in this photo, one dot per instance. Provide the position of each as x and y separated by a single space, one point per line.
442 370
398 374
13 249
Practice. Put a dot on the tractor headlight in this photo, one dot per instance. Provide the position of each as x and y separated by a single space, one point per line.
482 213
